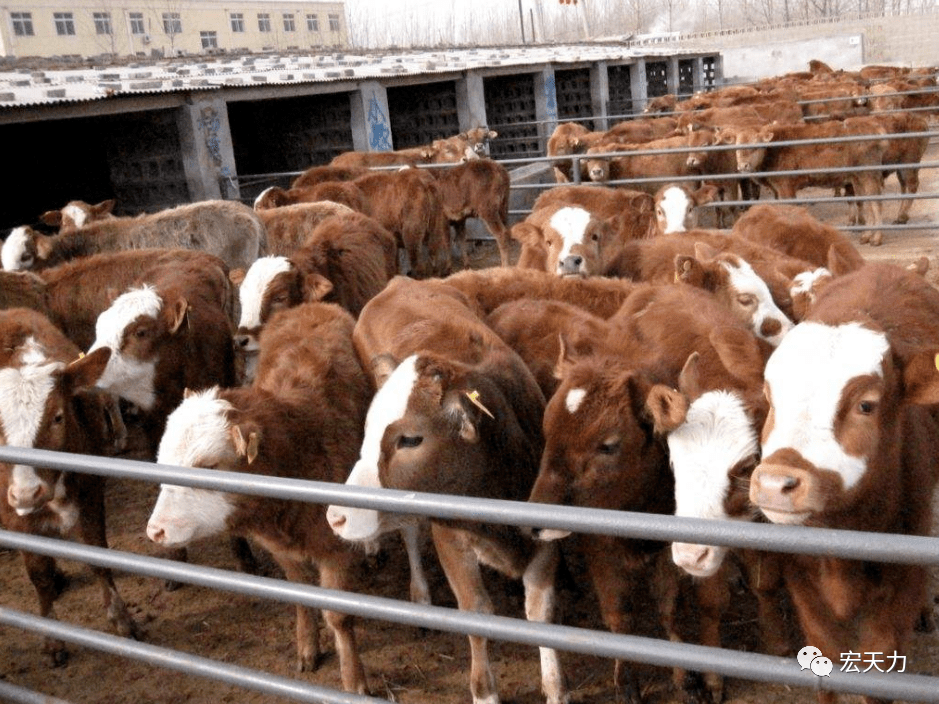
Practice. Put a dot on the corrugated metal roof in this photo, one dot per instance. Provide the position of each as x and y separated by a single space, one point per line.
23 87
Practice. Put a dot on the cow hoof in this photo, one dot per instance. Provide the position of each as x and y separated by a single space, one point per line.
926 623
171 585
309 663
877 240
865 237
55 649
60 582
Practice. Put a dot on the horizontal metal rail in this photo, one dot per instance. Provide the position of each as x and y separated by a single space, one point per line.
906 549
17 695
651 651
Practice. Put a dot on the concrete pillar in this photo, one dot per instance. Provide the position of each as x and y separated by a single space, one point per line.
638 85
698 74
208 155
371 122
600 94
546 102
671 75
471 102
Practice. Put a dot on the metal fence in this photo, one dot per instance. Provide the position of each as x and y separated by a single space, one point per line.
753 666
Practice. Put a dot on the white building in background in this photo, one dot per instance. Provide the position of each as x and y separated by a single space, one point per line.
85 28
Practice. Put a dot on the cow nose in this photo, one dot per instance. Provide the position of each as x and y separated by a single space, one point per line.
26 498
572 264
770 327
242 341
335 519
157 535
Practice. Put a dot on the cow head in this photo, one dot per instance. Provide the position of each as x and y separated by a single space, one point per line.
273 197
24 249
805 288
77 214
574 241
597 168
198 433
735 283
676 206
270 285
434 425
600 449
751 146
47 404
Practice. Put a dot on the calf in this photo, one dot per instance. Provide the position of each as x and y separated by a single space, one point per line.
407 203
47 401
441 151
288 226
227 229
629 211
346 260
851 442
459 415
626 166
320 174
302 419
164 337
677 206
77 213
477 188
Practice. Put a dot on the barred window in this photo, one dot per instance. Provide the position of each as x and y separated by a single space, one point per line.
209 40
334 23
264 22
289 25
136 23
312 23
172 24
22 23
237 22
102 22
64 23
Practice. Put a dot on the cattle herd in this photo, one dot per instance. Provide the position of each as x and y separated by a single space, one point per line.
627 360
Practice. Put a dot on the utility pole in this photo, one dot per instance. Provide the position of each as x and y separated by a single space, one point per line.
521 19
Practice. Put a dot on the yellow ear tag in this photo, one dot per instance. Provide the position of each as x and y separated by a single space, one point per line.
473 396
936 360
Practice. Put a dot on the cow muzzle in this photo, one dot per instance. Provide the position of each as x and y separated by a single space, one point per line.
27 492
785 494
698 560
572 265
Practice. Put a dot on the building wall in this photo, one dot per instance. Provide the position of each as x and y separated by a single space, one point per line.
137 28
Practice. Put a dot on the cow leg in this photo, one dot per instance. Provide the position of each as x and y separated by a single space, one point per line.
459 241
42 573
91 531
764 578
539 579
497 228
909 183
308 640
871 184
420 590
334 575
819 629
462 570
241 549
614 571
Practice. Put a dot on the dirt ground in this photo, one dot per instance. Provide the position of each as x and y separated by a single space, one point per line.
403 664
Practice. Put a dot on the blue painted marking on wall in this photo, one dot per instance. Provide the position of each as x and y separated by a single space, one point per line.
551 100
379 134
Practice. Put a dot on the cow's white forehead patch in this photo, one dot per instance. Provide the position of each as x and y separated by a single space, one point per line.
744 279
676 205
804 281
13 248
24 392
571 224
575 397
806 375
388 405
76 214
716 435
261 196
256 281
196 430
126 308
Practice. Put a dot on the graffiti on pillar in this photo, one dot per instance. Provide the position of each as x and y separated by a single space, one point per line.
550 98
210 124
379 135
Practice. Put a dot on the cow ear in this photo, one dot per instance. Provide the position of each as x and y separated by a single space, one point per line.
920 266
838 264
921 378
706 194
84 372
246 447
176 314
463 417
316 287
702 250
382 366
236 276
527 233
566 358
44 246
104 207
689 270
53 218
689 379
667 408
492 134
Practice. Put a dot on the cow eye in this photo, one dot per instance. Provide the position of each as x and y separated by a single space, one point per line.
409 441
140 333
745 299
610 447
866 407
58 418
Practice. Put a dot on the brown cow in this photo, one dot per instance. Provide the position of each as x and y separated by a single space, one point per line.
460 414
289 226
48 401
303 419
851 442
78 213
320 174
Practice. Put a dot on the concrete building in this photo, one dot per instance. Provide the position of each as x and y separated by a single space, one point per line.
145 28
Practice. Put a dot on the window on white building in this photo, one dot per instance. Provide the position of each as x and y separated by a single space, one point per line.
102 22
64 23
312 23
289 25
209 40
334 23
172 23
22 23
136 23
264 22
237 22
